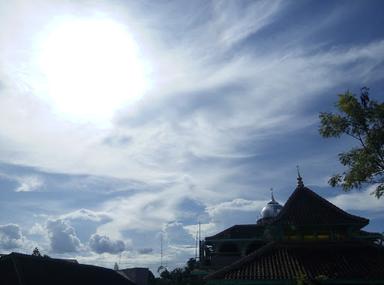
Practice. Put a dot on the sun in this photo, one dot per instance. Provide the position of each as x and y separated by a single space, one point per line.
91 68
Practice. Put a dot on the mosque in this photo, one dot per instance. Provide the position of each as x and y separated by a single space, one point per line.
307 239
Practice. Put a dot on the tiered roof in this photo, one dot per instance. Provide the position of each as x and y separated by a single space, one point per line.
312 260
239 232
305 207
354 259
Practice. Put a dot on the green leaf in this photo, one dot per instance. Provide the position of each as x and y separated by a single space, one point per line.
364 121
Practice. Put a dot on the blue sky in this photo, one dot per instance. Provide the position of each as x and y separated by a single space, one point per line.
125 120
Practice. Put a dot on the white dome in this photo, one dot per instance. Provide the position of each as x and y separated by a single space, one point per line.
271 210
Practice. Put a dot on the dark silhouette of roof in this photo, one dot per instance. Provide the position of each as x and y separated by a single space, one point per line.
239 232
139 275
289 260
22 269
305 207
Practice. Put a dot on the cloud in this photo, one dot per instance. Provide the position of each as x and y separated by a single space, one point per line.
103 244
140 211
177 236
87 215
238 99
147 250
359 201
62 237
26 182
29 183
235 22
38 229
11 237
235 89
237 211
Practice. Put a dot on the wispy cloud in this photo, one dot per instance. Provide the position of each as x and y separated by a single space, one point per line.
29 183
26 183
234 22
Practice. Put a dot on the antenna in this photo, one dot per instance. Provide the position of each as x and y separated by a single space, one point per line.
196 242
199 238
161 250
199 230
161 267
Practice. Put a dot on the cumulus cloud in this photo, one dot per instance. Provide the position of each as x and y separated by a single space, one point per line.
37 229
62 236
103 244
11 236
177 235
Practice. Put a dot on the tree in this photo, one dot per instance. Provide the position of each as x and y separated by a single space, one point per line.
36 252
191 264
116 266
363 120
181 276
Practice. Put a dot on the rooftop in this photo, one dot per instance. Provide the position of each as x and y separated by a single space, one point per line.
289 260
22 269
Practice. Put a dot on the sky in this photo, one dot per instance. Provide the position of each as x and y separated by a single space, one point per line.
124 121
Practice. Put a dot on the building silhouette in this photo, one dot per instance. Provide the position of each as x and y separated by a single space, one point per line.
308 239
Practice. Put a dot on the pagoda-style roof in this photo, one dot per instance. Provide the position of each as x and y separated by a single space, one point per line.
353 260
305 207
239 232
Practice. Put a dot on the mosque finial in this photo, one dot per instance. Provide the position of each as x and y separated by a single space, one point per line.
272 197
300 183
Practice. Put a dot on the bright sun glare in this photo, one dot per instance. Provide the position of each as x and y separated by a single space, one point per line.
91 68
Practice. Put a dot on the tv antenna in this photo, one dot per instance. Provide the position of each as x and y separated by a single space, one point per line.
161 267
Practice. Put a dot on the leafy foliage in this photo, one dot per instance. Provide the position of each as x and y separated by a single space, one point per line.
36 252
181 276
362 120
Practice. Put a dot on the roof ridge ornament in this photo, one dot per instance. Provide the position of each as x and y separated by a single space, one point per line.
272 197
300 183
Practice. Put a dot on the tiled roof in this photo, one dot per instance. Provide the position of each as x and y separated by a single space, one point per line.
290 260
239 231
22 269
305 207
